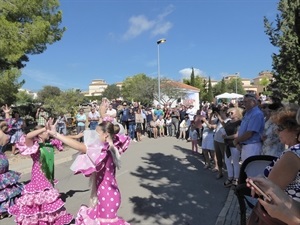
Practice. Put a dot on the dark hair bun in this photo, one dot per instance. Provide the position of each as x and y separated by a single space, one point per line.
116 128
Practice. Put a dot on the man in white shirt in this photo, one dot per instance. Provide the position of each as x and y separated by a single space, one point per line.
191 111
111 112
93 118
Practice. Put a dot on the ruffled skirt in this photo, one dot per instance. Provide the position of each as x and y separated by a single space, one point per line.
84 219
40 208
10 189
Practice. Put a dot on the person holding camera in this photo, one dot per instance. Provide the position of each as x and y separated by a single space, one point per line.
41 116
208 140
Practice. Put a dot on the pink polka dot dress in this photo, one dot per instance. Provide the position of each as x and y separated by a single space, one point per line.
100 163
40 203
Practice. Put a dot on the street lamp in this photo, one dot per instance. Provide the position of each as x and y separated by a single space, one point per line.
158 67
236 75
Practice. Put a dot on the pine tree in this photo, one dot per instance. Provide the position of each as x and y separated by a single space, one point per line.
210 96
286 63
193 78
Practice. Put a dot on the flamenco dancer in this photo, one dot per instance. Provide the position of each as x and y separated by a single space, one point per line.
10 189
40 202
99 159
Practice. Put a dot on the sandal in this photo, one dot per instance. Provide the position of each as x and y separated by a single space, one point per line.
228 183
235 182
206 166
4 215
219 176
214 170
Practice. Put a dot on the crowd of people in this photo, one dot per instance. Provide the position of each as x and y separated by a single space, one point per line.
225 134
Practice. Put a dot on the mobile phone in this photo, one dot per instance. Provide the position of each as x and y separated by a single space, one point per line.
260 191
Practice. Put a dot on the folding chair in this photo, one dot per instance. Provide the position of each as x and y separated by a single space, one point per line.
251 167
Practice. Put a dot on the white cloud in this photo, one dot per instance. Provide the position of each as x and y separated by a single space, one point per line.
44 78
140 24
162 28
186 73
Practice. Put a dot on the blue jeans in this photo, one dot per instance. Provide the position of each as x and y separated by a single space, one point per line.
132 131
93 125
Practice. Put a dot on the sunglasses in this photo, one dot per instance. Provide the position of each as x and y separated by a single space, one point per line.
280 128
230 113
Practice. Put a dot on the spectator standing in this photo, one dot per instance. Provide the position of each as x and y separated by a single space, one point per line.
232 154
183 127
219 144
175 121
16 126
251 129
80 120
169 125
158 112
208 140
93 118
41 116
139 120
62 124
193 136
131 124
111 113
160 123
191 111
124 116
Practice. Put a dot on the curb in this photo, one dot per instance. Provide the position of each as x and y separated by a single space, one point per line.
222 216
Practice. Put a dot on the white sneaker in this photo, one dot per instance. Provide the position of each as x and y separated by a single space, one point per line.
134 140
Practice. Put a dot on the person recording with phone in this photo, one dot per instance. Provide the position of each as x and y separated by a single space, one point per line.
281 206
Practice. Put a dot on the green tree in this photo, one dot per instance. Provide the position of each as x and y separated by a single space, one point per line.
220 87
264 82
199 82
23 98
47 92
235 85
285 35
26 27
9 86
140 88
193 78
112 92
210 94
65 102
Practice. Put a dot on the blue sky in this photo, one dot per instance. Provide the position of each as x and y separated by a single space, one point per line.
114 39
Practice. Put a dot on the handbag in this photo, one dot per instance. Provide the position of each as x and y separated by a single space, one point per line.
259 216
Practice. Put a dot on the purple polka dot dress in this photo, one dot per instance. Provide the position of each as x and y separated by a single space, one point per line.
10 188
99 161
40 203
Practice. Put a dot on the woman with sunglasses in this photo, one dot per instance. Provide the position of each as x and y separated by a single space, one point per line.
285 171
232 154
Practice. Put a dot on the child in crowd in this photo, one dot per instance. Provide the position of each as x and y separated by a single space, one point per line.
193 136
183 128
160 123
169 125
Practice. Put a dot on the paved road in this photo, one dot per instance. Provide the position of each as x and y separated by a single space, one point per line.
161 183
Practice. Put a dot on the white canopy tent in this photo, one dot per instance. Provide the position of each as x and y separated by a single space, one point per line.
229 95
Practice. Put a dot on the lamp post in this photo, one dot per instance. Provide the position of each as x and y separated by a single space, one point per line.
158 66
236 75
